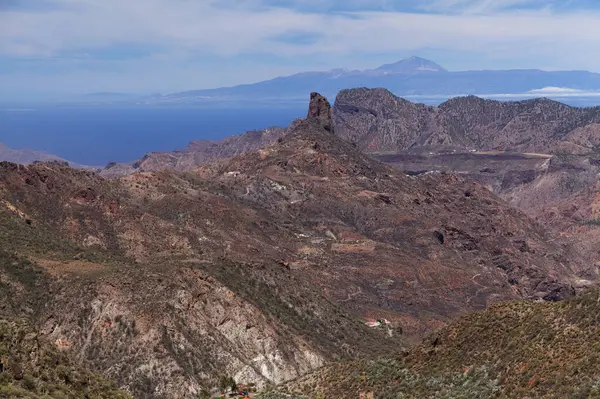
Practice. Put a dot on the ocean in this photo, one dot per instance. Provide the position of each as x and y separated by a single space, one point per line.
96 136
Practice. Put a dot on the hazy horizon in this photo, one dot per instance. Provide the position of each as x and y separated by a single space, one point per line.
53 48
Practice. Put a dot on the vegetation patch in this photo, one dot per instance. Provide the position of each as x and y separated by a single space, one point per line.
32 368
511 350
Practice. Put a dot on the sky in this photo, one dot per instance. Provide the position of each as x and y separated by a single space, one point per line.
64 47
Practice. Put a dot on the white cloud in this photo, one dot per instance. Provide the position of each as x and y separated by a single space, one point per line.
481 6
202 27
557 90
180 30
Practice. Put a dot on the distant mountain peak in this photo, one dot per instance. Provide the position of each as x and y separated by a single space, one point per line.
25 156
412 65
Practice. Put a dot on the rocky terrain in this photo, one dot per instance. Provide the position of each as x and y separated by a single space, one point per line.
158 306
377 121
511 350
539 155
261 266
32 368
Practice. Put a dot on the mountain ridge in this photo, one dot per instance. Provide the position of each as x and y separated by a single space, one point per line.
352 102
26 156
378 120
261 266
412 65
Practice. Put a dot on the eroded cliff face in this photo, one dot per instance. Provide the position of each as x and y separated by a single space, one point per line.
378 121
319 109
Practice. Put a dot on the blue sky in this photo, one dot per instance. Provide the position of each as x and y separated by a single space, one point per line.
62 47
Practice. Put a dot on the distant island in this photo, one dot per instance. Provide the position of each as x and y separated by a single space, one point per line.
412 76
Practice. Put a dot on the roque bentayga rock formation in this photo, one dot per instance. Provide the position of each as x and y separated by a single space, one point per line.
259 266
320 109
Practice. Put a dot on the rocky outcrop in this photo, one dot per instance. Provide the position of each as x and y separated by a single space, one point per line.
200 152
319 109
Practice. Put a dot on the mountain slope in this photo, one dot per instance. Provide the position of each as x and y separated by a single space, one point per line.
511 350
378 121
33 368
153 301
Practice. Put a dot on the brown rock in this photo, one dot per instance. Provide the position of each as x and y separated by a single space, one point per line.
319 109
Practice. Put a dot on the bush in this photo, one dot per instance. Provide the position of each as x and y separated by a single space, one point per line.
29 383
227 383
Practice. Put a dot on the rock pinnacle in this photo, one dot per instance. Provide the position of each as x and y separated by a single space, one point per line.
320 110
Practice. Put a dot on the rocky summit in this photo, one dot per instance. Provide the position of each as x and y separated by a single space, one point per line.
378 121
285 262
319 109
